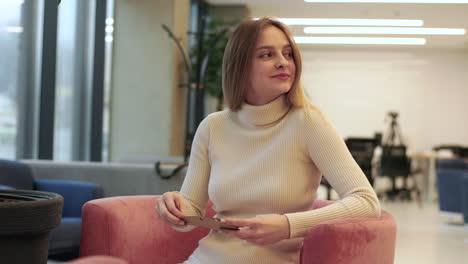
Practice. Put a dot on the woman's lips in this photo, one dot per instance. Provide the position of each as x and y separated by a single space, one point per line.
282 76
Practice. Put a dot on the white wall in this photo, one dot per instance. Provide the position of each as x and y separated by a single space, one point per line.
357 85
144 78
357 88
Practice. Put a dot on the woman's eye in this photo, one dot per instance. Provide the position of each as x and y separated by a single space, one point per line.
266 55
288 55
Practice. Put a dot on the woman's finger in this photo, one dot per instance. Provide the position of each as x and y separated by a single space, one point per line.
171 206
168 216
240 222
243 233
171 219
181 205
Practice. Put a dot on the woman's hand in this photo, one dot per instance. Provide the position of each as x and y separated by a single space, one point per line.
261 230
171 207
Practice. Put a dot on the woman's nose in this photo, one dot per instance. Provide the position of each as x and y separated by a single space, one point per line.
281 61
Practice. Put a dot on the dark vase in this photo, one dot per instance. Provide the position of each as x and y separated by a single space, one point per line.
26 218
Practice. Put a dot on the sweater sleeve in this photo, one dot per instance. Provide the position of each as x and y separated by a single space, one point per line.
195 186
328 151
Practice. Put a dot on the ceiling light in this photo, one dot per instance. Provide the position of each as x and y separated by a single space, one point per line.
109 29
109 21
351 40
392 1
14 29
19 2
385 30
351 22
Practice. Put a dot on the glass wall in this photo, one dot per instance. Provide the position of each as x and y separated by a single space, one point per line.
109 39
68 87
10 40
80 83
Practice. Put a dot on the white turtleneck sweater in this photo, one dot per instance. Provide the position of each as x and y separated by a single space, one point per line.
269 159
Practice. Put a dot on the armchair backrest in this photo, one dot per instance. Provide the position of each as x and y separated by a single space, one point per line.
75 193
16 174
452 164
450 174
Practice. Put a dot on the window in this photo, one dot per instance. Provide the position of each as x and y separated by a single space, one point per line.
54 87
69 85
10 36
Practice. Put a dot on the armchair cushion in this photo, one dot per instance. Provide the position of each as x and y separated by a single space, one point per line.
75 193
129 228
66 236
6 187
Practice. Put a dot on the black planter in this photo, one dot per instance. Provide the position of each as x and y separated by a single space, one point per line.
26 218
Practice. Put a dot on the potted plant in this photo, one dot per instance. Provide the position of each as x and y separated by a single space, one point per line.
213 45
26 218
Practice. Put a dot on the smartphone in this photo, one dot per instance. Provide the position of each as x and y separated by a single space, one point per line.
213 223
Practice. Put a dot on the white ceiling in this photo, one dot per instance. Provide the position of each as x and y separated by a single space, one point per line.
434 15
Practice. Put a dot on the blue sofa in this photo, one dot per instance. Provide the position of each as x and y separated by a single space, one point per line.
452 185
64 240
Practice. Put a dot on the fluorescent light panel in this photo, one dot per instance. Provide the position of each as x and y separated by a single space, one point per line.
351 40
392 1
14 29
19 2
351 22
385 30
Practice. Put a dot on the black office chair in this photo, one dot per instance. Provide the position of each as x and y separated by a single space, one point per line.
395 163
362 150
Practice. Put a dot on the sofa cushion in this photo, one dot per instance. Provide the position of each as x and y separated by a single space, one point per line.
65 237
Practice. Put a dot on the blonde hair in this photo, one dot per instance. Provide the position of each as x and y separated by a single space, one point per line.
237 63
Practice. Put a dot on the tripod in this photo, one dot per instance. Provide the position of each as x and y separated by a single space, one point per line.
394 162
393 134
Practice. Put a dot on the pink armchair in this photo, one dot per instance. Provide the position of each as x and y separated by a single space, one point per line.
127 227
98 260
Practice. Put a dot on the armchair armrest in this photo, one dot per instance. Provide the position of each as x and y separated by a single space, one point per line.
6 187
75 193
351 241
98 260
129 228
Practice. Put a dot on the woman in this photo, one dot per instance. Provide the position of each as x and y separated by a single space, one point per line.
261 161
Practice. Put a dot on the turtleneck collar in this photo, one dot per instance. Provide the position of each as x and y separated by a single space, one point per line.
262 115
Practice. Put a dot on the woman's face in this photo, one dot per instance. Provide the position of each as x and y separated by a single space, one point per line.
273 68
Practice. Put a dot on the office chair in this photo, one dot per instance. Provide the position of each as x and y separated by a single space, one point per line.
394 163
362 150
